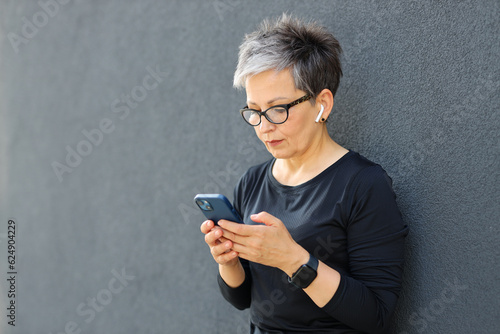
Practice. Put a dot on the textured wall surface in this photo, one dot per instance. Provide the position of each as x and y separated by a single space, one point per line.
114 114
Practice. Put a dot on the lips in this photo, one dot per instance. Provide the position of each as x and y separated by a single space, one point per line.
273 143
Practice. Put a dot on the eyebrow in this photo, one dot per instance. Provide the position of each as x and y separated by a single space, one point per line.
270 101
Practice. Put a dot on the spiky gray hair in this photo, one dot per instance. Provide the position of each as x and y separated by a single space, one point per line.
308 50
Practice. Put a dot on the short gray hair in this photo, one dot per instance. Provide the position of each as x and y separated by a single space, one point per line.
308 50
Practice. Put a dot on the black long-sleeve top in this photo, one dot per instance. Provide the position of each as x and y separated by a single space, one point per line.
346 217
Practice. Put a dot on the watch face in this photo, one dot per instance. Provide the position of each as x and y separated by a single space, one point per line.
304 276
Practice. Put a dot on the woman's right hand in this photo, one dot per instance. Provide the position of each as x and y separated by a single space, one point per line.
220 247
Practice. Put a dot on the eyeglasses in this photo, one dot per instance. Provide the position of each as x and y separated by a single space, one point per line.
276 114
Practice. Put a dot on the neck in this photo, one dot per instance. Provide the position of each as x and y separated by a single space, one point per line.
318 157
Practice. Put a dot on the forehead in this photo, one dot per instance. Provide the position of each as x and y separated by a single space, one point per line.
268 85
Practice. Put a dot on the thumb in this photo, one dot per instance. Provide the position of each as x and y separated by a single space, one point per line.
266 218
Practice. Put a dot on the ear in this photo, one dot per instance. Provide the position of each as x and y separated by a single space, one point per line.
325 99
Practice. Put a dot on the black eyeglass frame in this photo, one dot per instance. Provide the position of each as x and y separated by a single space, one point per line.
264 113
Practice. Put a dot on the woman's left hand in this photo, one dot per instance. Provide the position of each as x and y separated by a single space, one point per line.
270 244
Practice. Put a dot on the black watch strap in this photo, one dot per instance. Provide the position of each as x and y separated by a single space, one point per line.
306 274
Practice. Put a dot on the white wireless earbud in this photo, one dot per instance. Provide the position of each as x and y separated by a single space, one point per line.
320 113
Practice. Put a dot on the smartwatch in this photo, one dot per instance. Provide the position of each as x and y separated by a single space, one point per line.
306 273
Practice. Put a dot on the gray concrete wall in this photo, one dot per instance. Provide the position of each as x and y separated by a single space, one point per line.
111 244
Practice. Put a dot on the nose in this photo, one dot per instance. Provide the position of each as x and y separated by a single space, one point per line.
265 126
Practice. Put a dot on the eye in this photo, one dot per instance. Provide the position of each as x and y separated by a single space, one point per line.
279 110
277 115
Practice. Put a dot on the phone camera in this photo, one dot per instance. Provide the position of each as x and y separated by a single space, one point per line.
204 205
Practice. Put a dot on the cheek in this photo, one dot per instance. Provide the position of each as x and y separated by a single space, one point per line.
299 133
294 128
257 132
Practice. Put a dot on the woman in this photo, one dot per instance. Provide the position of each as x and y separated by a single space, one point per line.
321 249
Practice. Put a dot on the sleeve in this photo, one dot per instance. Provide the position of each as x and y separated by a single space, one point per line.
239 297
366 297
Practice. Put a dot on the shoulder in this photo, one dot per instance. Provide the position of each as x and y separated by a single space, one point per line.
371 201
364 174
356 162
370 192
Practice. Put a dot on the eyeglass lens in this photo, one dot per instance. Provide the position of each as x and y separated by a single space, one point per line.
274 115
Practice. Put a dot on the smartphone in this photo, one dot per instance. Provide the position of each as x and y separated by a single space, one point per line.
216 207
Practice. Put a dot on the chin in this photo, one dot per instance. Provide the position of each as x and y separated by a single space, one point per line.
278 154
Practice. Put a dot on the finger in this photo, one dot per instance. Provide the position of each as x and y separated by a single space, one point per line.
240 248
220 249
214 235
245 256
235 238
236 228
206 226
221 240
266 218
226 257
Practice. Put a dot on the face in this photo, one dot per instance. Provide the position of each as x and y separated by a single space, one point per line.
295 137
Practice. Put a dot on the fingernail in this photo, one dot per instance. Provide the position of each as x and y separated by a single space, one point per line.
228 244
